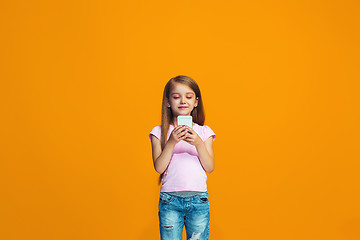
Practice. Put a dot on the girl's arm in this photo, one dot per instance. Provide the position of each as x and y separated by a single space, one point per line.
161 159
206 154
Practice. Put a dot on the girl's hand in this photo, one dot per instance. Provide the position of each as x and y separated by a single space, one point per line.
178 134
193 138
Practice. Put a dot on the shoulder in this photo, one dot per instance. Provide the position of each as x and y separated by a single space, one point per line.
205 131
156 128
203 127
156 131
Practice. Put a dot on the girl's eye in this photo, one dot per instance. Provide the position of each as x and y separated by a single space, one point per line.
186 97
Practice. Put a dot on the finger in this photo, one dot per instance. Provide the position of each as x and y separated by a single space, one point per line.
188 139
181 130
190 130
177 130
185 135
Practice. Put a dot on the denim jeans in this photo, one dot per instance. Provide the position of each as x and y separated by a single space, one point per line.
175 212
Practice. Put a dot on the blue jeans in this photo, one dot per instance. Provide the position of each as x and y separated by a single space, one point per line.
175 212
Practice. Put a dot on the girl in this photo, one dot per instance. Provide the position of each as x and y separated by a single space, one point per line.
183 156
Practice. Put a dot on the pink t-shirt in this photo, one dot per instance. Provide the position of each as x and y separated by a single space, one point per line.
185 172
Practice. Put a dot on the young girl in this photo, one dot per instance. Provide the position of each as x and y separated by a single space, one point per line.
183 155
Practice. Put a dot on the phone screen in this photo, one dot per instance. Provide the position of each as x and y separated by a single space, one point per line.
185 120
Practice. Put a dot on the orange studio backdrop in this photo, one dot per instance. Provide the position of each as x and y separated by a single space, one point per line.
81 88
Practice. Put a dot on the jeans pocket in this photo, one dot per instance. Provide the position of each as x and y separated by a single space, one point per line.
165 197
204 197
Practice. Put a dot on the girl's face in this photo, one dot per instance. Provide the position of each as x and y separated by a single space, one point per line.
182 100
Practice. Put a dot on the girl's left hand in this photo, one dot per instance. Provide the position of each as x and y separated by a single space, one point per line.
193 138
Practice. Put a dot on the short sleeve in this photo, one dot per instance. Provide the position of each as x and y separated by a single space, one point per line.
208 132
156 131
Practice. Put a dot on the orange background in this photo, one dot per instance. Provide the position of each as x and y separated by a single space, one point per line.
81 88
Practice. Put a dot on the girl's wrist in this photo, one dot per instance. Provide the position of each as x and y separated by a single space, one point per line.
199 144
171 142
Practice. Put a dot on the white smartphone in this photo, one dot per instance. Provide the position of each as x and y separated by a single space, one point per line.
185 120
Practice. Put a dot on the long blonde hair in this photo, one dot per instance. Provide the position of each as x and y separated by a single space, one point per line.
198 113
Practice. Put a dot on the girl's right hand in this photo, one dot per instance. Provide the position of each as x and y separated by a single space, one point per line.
179 133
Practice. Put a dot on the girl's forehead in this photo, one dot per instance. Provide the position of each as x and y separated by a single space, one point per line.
181 88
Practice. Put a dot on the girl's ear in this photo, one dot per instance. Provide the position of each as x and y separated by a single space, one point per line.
197 101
